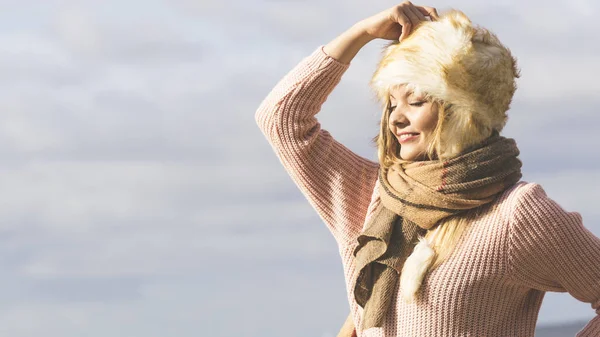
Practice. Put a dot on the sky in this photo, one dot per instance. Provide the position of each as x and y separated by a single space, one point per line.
140 198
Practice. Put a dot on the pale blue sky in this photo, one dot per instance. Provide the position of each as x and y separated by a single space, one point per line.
140 199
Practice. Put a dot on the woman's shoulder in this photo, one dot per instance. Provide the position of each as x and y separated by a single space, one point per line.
506 199
514 195
500 211
526 194
495 221
523 194
534 212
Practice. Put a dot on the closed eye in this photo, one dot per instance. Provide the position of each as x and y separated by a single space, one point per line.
417 104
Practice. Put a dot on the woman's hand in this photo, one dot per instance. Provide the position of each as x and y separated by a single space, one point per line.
392 24
396 23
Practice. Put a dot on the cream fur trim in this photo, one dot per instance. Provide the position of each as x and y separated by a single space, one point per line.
414 269
462 64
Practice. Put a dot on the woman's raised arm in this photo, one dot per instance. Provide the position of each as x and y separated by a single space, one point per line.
337 182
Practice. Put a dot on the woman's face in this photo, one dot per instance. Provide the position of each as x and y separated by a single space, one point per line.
411 113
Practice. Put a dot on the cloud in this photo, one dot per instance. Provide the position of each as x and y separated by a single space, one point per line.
139 194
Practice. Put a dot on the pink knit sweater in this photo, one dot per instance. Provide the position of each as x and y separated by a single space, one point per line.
494 281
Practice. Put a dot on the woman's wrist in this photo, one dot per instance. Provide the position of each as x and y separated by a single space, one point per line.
345 47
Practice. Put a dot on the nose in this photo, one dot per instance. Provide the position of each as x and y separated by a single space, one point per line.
397 117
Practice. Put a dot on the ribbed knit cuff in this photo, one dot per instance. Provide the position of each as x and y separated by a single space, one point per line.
592 329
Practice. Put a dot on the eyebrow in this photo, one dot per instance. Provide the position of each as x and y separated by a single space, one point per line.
406 95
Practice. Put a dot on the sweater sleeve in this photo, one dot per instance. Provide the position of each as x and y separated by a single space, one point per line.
551 250
337 182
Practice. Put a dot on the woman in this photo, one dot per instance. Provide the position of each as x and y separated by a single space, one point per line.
440 237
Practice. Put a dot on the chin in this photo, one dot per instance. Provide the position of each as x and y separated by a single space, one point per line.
413 156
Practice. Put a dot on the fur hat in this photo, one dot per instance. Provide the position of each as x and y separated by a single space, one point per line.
463 65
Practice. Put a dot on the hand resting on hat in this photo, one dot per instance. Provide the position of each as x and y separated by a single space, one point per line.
394 23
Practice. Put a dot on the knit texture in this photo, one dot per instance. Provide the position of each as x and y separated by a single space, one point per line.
417 195
493 283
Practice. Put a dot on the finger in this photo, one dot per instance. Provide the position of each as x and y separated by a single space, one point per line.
404 22
406 25
417 13
429 11
414 19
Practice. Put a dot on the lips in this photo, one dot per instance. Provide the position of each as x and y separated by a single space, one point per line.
407 137
406 132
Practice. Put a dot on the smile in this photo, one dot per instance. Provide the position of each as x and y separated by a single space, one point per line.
407 138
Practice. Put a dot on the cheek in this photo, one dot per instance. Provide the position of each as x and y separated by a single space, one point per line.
431 120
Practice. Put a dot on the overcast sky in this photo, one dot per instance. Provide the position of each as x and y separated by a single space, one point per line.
139 197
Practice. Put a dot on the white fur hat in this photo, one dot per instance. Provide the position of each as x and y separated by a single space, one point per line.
464 66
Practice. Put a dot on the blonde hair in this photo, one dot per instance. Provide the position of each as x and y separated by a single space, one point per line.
470 77
449 230
460 63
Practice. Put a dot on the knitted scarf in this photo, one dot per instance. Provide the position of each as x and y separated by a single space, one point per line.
415 196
